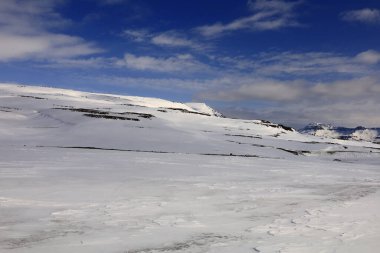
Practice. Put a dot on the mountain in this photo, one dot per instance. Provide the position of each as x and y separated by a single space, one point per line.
126 122
91 172
202 107
343 133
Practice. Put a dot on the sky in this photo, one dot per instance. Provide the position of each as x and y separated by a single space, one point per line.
290 62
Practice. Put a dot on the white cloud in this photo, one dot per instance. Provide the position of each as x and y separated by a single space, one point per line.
304 64
17 46
310 63
178 63
368 16
171 39
364 87
292 77
324 87
86 63
347 102
26 33
138 35
31 17
369 57
268 15
271 90
349 113
257 89
272 5
163 39
171 84
43 46
246 88
329 88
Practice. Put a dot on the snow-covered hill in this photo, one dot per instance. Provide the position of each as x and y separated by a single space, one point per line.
88 172
358 133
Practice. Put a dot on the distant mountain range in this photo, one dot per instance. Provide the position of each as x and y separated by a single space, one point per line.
343 133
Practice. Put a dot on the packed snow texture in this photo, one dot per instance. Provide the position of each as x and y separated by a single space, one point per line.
86 172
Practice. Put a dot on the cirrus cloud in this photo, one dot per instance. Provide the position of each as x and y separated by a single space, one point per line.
367 16
177 63
170 39
267 15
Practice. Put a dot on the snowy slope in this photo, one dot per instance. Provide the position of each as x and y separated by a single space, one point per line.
203 108
87 172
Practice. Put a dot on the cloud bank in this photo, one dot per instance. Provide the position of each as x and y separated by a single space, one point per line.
27 31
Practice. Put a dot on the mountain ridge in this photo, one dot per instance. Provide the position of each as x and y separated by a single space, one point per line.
343 133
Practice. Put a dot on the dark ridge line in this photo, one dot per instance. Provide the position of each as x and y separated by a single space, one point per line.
251 144
349 151
186 111
317 142
294 152
62 107
372 148
84 110
9 108
270 124
24 96
246 136
289 151
134 105
95 113
286 128
303 152
101 116
110 149
139 114
256 250
231 154
155 151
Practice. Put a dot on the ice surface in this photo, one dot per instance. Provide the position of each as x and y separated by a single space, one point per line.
86 172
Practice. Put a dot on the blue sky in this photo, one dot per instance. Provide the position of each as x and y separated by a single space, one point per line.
291 62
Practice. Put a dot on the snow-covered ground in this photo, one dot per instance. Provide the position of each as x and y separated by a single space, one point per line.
85 172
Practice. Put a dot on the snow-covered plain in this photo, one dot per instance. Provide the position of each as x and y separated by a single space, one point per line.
85 172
